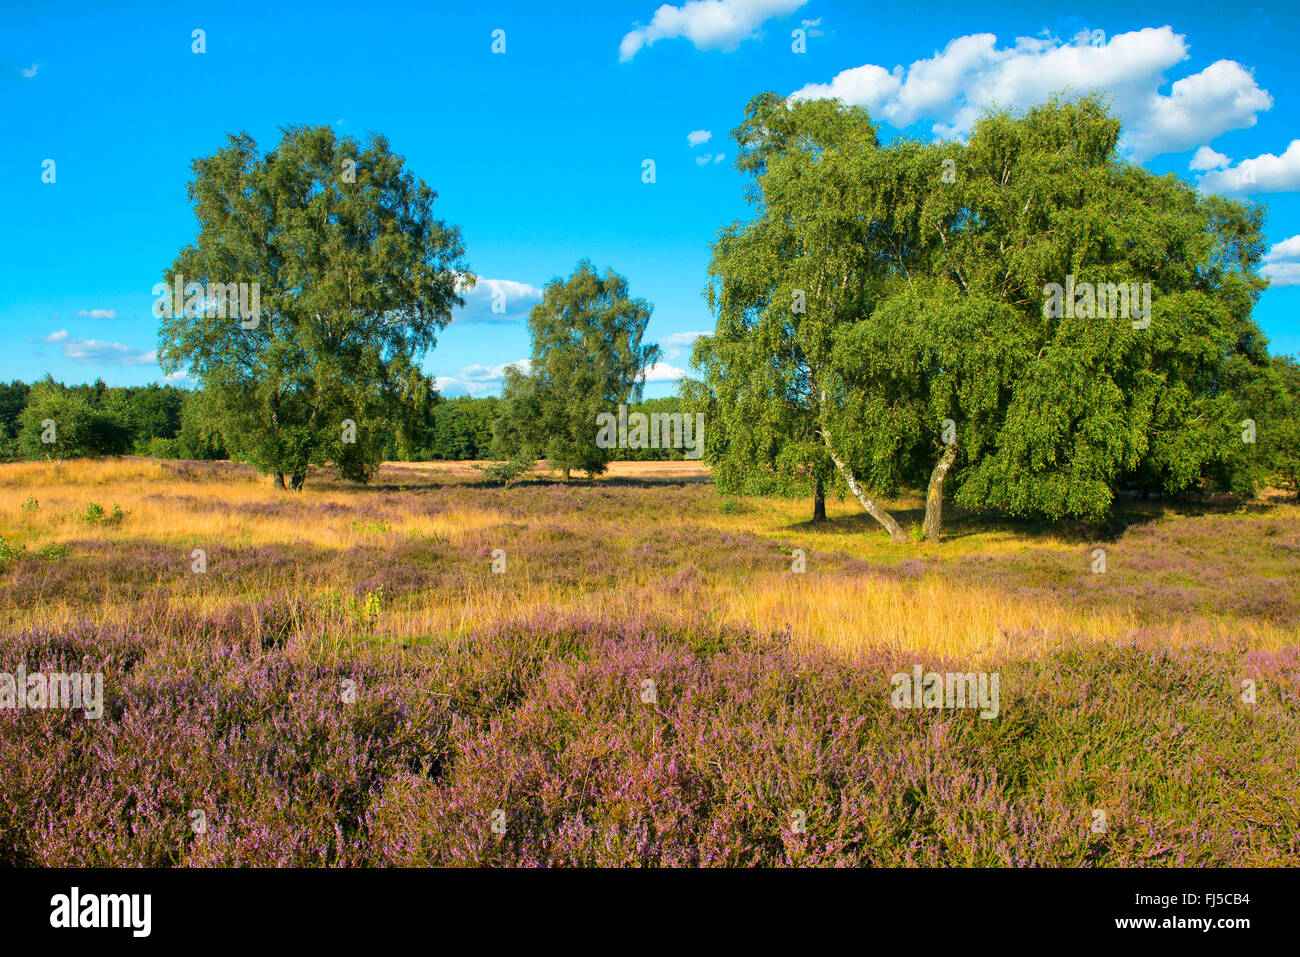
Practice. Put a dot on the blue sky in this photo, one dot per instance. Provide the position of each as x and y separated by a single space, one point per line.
537 153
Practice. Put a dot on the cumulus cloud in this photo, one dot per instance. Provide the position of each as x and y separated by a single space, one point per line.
497 300
477 379
704 159
96 351
97 313
1207 159
708 24
1266 173
1282 263
30 71
181 377
1224 96
696 137
663 372
952 88
677 344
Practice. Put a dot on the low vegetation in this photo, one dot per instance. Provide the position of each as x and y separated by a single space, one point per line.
524 691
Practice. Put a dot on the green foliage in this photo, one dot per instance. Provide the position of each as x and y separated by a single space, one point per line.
96 420
668 405
78 427
199 436
587 359
10 553
765 364
160 448
13 399
94 514
1280 436
507 473
884 296
355 279
52 552
449 429
1093 404
360 613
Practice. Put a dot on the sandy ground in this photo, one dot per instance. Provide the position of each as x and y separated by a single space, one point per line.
679 471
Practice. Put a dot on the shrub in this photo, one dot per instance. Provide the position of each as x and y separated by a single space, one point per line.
10 553
507 473
95 515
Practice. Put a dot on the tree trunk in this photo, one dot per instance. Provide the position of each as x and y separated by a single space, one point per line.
296 481
279 480
819 499
875 511
566 474
933 524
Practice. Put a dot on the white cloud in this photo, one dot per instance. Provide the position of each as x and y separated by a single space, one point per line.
97 313
1207 159
477 379
1282 263
1224 96
96 351
30 71
181 377
663 372
952 88
512 300
677 344
708 24
1282 274
1265 173
696 137
1286 250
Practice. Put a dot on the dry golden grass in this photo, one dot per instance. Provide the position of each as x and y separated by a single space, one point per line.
846 613
163 509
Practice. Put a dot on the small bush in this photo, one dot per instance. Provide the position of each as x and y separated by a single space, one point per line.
53 552
507 473
10 553
95 515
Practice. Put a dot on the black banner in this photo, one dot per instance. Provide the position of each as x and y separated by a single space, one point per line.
949 907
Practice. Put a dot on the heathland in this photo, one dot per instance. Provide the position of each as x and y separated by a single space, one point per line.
634 670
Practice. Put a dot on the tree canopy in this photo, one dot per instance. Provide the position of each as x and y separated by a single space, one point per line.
587 358
353 277
903 306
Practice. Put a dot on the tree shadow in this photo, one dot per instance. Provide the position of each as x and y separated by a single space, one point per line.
1126 513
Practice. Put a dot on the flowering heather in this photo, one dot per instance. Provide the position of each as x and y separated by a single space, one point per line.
546 721
652 680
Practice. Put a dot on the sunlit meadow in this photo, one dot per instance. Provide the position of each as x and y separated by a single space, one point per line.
436 670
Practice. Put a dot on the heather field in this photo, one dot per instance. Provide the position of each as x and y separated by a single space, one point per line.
340 676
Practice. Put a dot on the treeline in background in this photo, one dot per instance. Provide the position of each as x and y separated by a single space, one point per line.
169 422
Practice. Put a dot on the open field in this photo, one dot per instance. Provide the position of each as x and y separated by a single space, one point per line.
467 691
